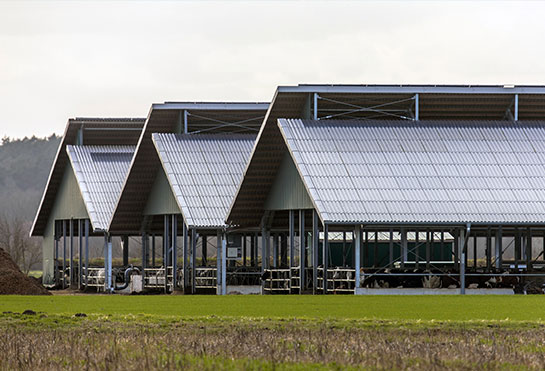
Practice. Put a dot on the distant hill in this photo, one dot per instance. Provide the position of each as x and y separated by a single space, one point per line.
24 168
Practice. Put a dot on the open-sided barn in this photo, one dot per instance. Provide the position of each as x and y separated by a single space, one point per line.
330 188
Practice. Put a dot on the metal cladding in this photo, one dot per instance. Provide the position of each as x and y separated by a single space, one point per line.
451 172
100 172
91 131
204 172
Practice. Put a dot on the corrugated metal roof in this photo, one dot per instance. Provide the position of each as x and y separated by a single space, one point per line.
204 172
100 172
422 172
96 131
128 215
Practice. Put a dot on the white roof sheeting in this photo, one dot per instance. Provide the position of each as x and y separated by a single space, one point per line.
100 172
421 172
204 171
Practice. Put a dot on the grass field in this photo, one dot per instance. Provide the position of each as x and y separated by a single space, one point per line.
273 332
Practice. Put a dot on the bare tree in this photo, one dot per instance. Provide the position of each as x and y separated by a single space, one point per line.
15 240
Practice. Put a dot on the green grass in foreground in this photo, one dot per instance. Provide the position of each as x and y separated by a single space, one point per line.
426 308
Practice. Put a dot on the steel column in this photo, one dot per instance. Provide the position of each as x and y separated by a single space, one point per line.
186 257
244 250
223 264
275 250
325 254
144 247
194 236
185 122
80 255
390 248
125 242
315 108
153 250
174 243
64 254
56 251
72 253
218 263
357 247
302 248
488 249
464 236
204 252
416 107
315 247
498 246
516 116
404 249
86 252
165 250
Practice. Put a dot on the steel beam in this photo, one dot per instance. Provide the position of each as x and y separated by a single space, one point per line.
291 228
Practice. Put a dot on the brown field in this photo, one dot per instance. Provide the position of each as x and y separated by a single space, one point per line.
114 343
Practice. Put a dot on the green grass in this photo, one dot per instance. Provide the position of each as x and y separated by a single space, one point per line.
424 308
273 332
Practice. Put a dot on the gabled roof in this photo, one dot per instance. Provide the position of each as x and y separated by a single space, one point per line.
399 172
100 172
204 172
86 131
205 117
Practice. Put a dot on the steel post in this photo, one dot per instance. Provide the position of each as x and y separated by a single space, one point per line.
315 247
302 249
357 247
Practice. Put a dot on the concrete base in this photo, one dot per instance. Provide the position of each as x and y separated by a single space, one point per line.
244 290
421 291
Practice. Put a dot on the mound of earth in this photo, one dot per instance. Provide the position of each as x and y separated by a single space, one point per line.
15 282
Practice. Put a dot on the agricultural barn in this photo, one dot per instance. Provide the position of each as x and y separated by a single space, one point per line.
329 189
83 186
427 187
185 172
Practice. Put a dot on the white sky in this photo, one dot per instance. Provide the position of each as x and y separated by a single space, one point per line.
67 59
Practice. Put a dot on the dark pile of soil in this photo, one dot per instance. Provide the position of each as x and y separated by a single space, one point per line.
15 282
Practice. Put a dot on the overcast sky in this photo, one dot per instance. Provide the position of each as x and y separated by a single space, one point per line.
67 59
